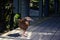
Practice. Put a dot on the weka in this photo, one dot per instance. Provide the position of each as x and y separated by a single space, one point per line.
23 24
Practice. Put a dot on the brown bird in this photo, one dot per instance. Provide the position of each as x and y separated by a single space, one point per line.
23 24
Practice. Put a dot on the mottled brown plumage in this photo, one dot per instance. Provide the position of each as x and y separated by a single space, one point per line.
23 24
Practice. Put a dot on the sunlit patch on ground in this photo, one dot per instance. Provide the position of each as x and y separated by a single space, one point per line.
46 33
15 34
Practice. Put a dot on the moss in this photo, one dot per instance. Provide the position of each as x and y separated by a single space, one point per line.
16 17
